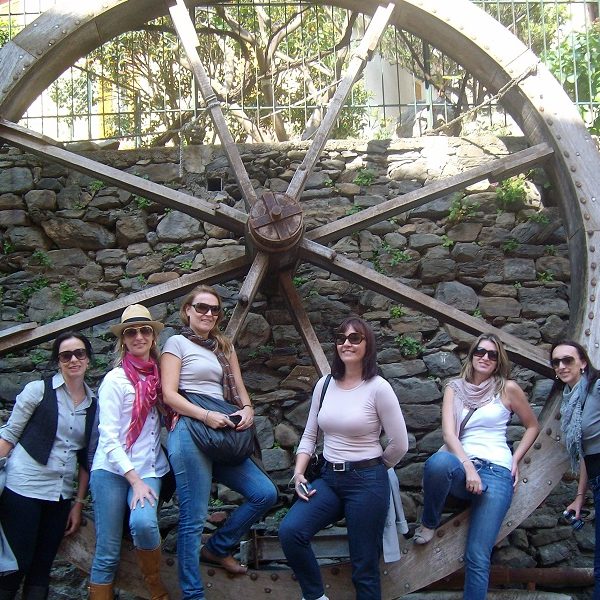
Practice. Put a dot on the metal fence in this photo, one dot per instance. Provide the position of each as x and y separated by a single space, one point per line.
274 66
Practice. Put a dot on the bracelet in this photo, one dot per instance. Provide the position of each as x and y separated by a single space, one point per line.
206 417
580 494
79 500
462 462
248 406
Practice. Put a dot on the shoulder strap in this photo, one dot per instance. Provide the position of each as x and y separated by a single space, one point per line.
323 392
465 421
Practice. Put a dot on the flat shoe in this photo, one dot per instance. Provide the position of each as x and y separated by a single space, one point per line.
423 535
227 562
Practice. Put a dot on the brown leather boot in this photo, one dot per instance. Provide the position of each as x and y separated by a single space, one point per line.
149 561
100 591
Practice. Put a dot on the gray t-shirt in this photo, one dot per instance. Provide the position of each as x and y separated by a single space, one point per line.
201 372
590 421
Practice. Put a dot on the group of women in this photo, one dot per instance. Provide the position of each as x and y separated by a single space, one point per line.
60 438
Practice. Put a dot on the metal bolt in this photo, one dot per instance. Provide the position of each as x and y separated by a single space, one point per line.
527 460
525 480
170 562
549 482
254 576
537 445
548 431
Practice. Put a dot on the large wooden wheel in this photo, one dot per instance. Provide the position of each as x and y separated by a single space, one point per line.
274 228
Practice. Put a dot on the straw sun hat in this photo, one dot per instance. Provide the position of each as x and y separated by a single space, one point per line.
136 314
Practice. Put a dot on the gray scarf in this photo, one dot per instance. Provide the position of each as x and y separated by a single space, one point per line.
570 419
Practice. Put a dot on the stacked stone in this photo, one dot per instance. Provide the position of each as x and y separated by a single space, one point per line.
71 243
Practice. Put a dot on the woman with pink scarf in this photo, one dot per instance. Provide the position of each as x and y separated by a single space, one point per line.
129 460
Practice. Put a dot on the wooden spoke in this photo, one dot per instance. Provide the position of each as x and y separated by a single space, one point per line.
221 214
189 39
247 292
231 269
363 54
520 352
494 171
303 324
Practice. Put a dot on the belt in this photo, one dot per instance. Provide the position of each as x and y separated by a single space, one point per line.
353 466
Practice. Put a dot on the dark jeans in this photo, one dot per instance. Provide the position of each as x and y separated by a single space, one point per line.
362 496
34 529
595 487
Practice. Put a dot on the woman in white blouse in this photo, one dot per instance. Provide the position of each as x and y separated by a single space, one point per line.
129 460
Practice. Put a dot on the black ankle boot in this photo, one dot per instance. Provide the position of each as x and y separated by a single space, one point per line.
34 592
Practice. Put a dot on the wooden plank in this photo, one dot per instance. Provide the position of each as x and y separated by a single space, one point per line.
303 324
189 39
221 214
363 53
539 472
17 328
494 171
519 351
225 271
248 291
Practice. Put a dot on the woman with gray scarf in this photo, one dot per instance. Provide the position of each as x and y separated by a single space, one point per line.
577 378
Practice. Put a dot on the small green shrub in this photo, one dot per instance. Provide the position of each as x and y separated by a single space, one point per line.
544 276
538 217
67 294
398 256
141 202
38 356
37 284
409 346
299 281
364 177
353 210
511 192
510 244
396 312
7 247
461 208
447 242
39 257
186 264
95 186
173 250
550 250
477 313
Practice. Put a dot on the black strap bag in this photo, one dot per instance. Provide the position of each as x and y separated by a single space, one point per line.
317 460
227 446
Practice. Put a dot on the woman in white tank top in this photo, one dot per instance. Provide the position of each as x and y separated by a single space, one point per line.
476 463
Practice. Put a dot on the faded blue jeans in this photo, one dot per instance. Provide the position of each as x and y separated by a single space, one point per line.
595 487
361 496
112 494
443 475
194 472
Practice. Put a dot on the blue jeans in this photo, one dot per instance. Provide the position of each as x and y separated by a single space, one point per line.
193 473
112 495
595 487
445 475
363 497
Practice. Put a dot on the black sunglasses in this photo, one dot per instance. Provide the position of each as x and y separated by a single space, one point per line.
565 360
202 309
480 352
66 355
353 338
131 332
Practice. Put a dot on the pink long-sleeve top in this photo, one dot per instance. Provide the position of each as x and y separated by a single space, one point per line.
352 422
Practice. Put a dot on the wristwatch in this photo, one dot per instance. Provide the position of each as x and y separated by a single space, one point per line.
3 460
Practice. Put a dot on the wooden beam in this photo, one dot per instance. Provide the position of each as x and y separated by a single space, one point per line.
303 324
494 170
189 39
363 53
247 293
519 351
226 271
220 214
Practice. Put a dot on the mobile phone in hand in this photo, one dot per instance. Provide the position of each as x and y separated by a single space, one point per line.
305 488
235 419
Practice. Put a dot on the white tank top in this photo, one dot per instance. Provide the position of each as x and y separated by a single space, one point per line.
484 435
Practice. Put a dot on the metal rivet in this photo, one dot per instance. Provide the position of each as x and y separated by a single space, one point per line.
550 122
170 562
267 590
593 298
593 265
537 445
573 169
557 416
549 482
211 572
385 572
404 550
209 585
509 524
578 184
461 559
525 480
253 576
592 248
587 332
557 438
586 216
274 576
406 586
527 460
548 431
567 154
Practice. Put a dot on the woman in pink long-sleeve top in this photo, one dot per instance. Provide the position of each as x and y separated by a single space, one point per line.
358 404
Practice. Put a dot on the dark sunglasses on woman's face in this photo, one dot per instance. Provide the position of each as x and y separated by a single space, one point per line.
202 309
66 355
353 338
131 332
565 360
481 352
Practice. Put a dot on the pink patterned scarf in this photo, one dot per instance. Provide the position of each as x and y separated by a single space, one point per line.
469 395
147 392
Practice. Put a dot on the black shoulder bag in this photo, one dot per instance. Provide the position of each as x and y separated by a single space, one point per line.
317 460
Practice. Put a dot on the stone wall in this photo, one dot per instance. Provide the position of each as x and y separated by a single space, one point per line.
71 243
